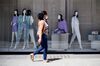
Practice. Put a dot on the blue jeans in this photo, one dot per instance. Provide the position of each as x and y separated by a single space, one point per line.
26 33
43 46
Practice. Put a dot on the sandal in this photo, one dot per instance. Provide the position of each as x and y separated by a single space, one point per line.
32 57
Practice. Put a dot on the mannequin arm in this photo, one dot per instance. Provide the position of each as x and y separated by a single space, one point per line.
32 20
72 25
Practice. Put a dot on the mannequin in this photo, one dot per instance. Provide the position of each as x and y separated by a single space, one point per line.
75 29
14 25
22 26
30 20
62 26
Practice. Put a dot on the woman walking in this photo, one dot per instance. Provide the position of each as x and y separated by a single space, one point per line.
42 38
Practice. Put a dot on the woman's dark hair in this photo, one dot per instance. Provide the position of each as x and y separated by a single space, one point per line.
23 10
41 16
17 12
75 12
61 17
44 12
28 12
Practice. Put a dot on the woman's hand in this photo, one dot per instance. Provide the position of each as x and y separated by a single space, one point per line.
39 41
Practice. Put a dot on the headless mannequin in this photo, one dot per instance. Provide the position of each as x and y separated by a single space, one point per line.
75 30
14 28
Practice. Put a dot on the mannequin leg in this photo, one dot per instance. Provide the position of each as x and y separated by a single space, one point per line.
79 37
18 36
33 38
72 39
12 40
27 38
24 39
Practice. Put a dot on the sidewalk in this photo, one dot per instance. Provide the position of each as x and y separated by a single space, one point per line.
54 60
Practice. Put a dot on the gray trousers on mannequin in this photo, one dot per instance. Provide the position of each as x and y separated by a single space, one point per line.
26 34
76 33
31 33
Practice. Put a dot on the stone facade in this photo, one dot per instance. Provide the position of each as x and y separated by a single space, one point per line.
88 14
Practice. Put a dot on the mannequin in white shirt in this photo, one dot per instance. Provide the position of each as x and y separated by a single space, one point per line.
31 29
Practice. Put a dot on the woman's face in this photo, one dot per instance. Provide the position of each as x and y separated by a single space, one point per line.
15 12
46 17
59 17
76 13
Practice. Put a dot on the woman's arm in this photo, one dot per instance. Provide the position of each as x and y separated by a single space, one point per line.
40 28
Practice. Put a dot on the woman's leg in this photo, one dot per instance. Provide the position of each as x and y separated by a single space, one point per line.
35 52
38 50
45 47
45 54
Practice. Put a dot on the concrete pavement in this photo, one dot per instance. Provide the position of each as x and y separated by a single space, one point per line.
54 60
